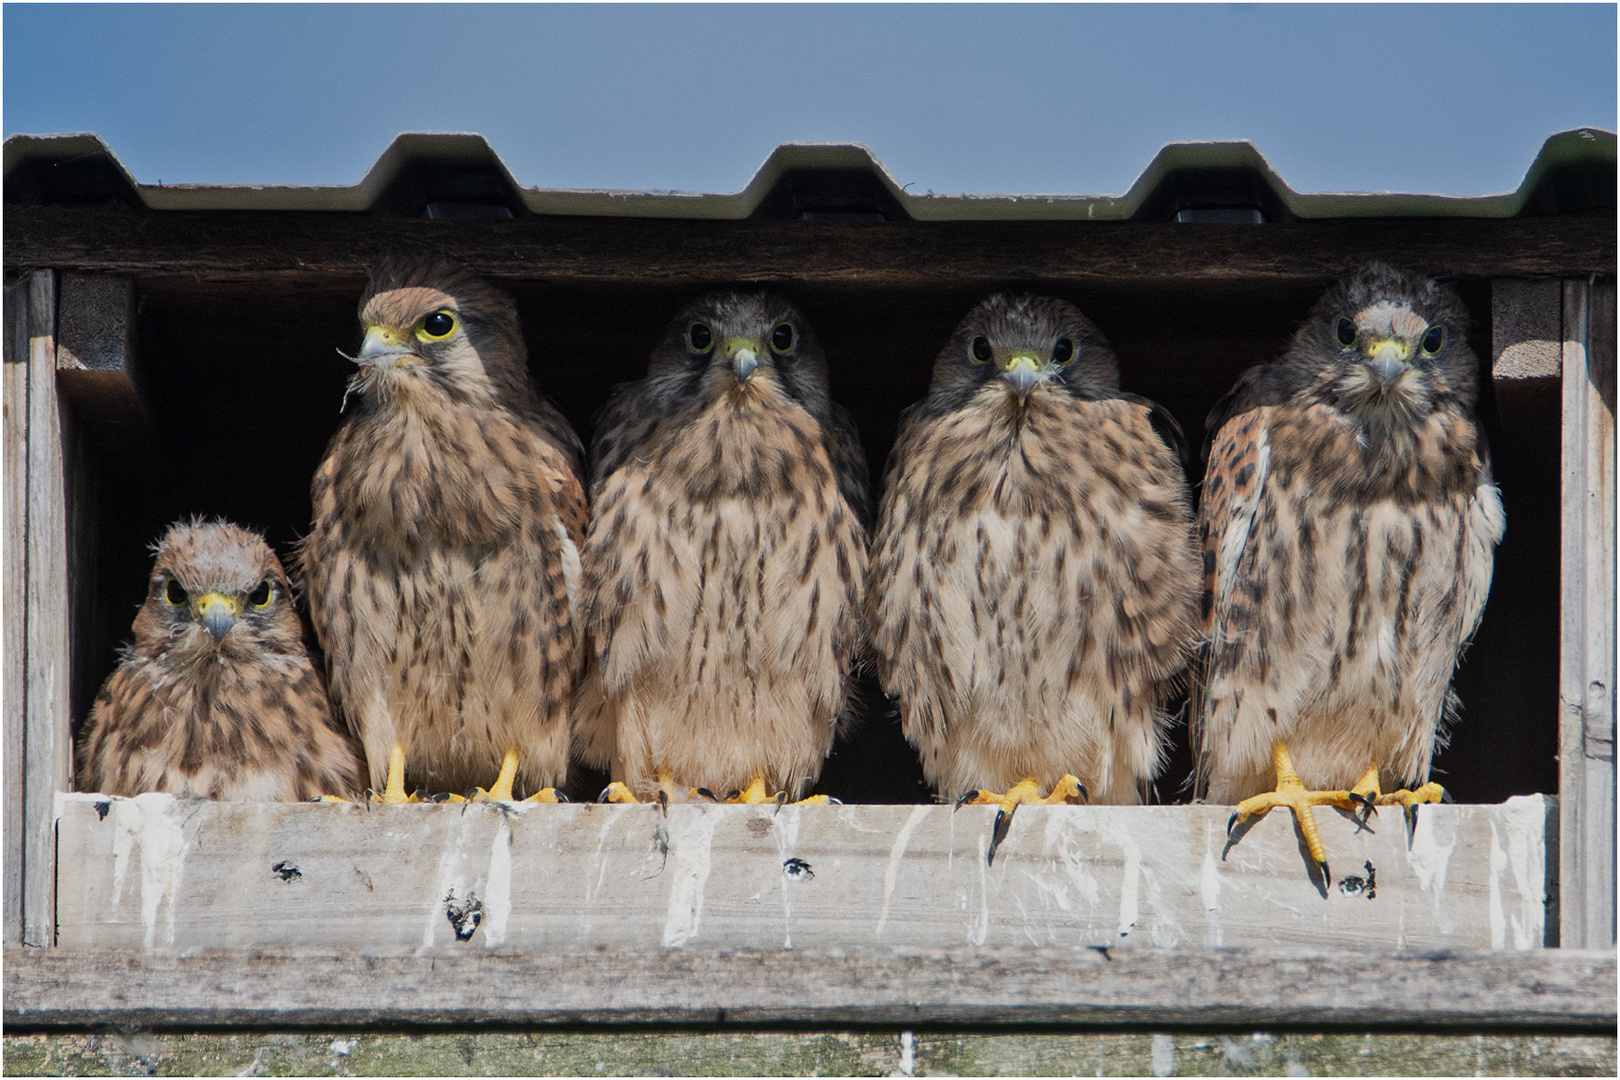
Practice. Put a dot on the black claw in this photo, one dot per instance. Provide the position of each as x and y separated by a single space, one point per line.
1231 823
663 801
604 796
561 797
967 797
1411 822
707 794
734 793
834 801
1327 875
1445 796
1366 806
443 796
999 832
1084 794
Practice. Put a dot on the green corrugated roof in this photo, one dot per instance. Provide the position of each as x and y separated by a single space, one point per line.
1573 174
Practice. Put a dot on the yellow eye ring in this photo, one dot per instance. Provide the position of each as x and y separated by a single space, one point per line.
437 326
174 594
782 338
260 597
1434 340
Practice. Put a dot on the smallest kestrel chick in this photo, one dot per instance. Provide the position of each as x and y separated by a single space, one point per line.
217 695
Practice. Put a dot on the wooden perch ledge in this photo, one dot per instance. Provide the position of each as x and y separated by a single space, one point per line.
1552 989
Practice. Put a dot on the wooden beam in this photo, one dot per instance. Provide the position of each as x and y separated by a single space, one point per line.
96 356
48 753
1587 666
1551 989
539 877
14 615
1526 328
575 251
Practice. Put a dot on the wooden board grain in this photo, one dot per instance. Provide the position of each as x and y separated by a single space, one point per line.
1526 328
577 251
154 871
14 614
1557 989
1587 663
47 751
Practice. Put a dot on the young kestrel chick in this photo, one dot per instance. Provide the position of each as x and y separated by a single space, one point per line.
1348 524
1034 579
725 560
217 696
442 563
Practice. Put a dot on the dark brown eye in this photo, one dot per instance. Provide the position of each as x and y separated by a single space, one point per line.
1063 352
260 597
700 337
439 325
782 338
1347 333
175 594
981 351
1434 340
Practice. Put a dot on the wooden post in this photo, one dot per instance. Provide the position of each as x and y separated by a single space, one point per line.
16 571
1587 666
47 753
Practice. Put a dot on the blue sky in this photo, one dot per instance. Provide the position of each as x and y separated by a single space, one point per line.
1043 98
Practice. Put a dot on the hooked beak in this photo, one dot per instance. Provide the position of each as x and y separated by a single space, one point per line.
217 613
744 358
1023 373
383 346
1388 361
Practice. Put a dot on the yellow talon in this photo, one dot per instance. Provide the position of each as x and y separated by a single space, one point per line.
1027 790
1291 792
755 795
394 789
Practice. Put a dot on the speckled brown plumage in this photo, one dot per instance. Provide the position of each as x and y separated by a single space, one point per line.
443 556
725 561
1347 531
242 716
1034 580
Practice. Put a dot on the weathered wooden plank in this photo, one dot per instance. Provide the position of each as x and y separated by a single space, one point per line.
1526 328
47 753
96 356
243 245
155 871
14 615
1561 989
854 1052
1587 665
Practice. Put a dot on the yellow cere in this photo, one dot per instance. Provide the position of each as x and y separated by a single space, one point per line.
209 601
1402 349
1026 360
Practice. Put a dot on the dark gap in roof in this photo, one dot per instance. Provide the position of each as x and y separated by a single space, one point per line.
81 180
1220 195
829 195
448 189
1573 189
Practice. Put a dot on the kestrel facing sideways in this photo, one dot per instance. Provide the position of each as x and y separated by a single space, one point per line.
725 561
1348 527
217 696
1034 584
442 563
